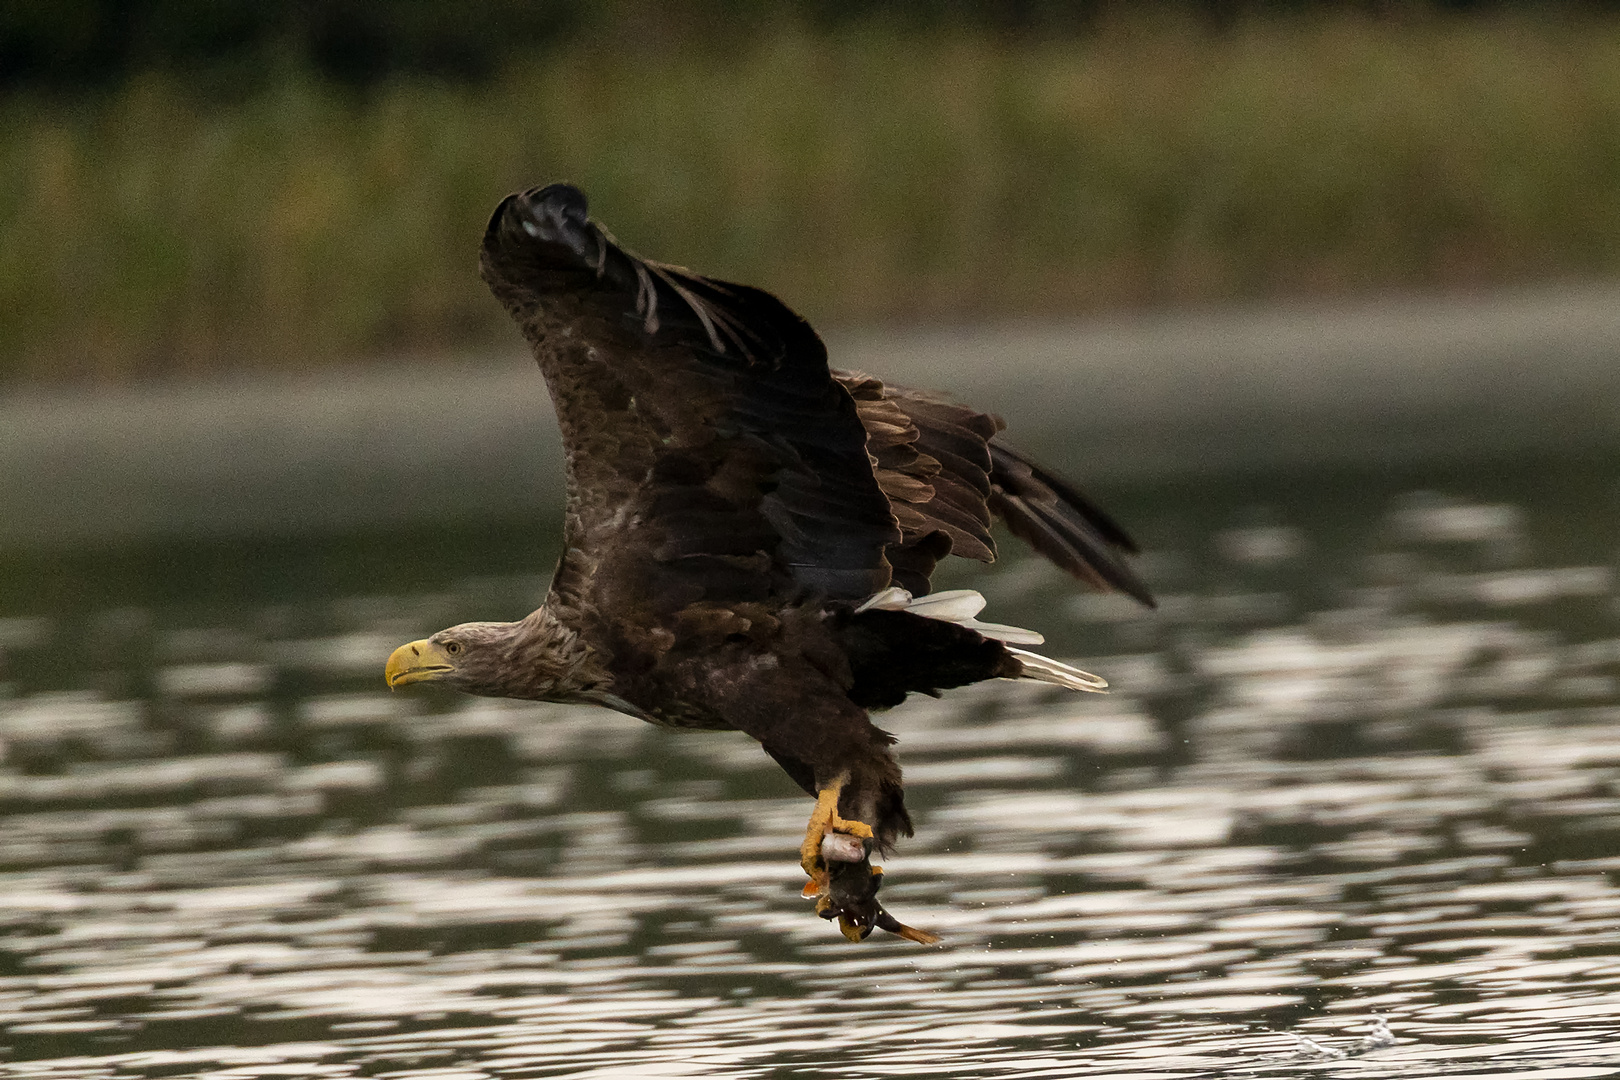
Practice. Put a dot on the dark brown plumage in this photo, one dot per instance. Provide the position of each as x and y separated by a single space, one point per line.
740 523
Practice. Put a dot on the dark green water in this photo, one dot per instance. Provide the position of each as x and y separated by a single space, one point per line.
1363 766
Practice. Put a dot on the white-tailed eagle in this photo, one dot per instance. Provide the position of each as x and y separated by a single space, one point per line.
749 535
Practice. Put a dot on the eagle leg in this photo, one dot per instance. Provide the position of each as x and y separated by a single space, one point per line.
824 818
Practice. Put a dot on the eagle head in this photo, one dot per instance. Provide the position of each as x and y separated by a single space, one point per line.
473 657
536 659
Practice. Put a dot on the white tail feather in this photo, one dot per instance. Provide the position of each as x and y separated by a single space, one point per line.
1015 635
1045 669
894 598
953 606
959 606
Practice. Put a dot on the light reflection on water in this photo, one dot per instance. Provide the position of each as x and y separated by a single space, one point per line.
1363 764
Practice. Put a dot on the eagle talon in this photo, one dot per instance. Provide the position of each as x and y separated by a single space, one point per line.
824 820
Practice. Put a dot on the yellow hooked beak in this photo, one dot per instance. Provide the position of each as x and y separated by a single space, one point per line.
417 661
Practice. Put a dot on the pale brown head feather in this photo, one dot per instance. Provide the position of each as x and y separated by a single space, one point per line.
537 659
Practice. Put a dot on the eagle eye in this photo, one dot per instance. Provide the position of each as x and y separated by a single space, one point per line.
453 648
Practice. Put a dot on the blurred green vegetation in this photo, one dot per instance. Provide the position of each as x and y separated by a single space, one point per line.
864 171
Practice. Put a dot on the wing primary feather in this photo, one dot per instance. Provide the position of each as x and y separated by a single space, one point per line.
1003 456
1062 524
646 300
1029 524
699 308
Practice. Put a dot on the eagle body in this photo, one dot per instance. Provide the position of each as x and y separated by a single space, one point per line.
749 534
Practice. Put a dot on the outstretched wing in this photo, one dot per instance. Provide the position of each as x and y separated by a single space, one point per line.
945 473
709 453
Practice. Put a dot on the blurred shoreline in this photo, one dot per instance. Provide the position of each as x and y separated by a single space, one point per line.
1111 401
868 173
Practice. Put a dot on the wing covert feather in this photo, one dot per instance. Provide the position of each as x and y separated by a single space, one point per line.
946 472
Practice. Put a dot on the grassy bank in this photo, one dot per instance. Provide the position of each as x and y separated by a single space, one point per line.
865 176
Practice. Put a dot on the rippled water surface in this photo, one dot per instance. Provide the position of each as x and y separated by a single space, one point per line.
1352 810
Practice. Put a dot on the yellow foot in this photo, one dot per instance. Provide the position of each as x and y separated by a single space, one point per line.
824 818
